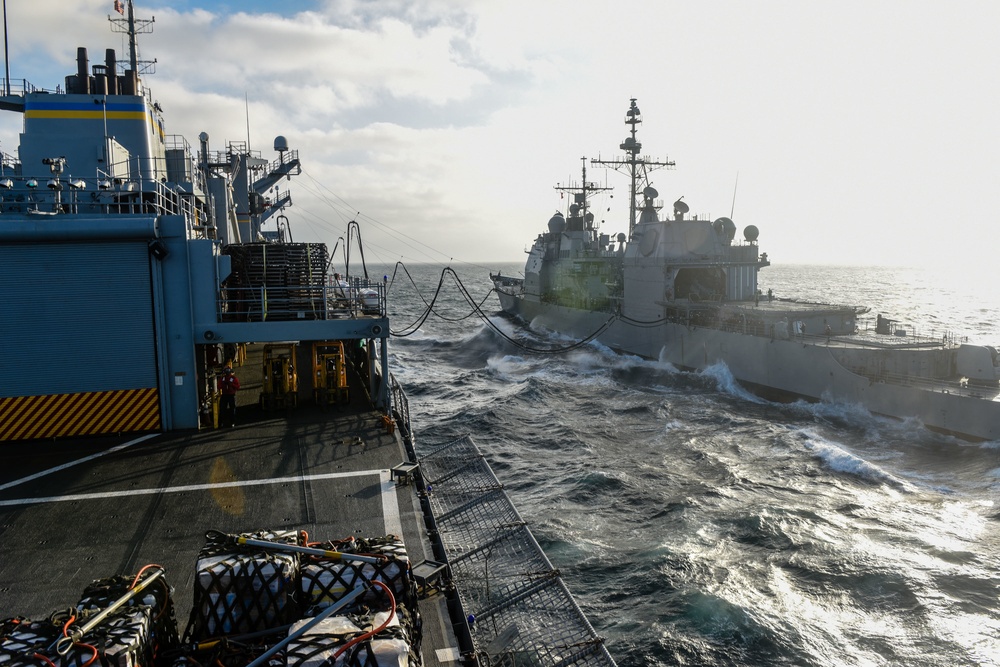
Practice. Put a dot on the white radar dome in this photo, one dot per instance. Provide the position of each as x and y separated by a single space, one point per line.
557 223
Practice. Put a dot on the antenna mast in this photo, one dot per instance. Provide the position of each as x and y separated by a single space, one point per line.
636 167
6 53
581 193
733 209
132 27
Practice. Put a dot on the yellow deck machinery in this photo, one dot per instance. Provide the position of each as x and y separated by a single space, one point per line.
281 383
329 373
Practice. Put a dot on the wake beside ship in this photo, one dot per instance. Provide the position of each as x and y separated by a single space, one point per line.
684 290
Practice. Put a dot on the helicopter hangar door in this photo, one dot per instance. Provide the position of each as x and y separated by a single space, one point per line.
79 338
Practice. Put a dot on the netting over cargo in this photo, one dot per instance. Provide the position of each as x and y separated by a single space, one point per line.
241 590
251 592
523 613
106 628
325 582
329 642
139 637
21 639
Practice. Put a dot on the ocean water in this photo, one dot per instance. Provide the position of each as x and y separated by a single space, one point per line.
698 524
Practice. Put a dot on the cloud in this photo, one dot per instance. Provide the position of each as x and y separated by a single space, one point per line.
861 133
355 68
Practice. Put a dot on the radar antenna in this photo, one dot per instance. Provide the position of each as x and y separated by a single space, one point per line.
633 165
130 26
581 192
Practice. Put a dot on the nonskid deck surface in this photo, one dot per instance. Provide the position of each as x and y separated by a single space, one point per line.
73 511
77 511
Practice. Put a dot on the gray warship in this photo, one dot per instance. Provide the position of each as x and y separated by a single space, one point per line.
684 290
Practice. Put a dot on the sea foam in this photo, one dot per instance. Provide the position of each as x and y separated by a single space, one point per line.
839 459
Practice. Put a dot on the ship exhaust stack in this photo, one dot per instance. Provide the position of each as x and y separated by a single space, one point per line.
82 71
111 65
80 82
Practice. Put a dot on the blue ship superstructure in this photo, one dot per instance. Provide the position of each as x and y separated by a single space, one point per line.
131 264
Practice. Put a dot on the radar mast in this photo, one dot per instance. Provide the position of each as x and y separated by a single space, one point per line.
132 27
581 193
633 165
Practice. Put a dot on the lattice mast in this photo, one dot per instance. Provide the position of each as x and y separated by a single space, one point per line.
636 167
580 193
132 27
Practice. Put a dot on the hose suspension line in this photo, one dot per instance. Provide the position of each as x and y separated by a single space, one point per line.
477 310
400 265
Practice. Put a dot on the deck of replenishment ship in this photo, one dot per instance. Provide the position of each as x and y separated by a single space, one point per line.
76 510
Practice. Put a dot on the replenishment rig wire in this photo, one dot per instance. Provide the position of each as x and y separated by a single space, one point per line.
477 310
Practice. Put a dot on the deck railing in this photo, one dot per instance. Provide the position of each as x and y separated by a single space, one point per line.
358 298
401 412
94 196
737 322
956 387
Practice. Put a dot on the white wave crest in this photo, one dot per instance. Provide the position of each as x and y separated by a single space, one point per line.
508 364
725 382
839 459
663 363
828 409
505 326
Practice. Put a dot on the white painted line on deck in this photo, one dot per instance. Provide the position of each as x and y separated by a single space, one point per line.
116 448
448 655
390 505
383 475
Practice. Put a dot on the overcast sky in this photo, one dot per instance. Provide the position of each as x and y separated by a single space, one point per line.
862 132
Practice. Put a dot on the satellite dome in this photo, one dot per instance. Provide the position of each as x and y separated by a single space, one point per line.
589 217
725 228
574 209
280 144
621 237
557 223
750 233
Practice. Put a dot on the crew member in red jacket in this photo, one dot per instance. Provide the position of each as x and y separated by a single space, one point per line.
229 384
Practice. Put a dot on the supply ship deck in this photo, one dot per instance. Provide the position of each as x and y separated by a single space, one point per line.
81 509
77 510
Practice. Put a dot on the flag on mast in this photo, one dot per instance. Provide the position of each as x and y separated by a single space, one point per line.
120 7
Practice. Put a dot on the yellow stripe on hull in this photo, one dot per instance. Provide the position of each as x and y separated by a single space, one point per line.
90 115
90 413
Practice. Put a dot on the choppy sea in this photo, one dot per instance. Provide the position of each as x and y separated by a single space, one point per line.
697 524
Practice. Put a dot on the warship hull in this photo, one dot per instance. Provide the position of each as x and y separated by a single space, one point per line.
811 367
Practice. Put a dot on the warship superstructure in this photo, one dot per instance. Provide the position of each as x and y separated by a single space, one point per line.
684 290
